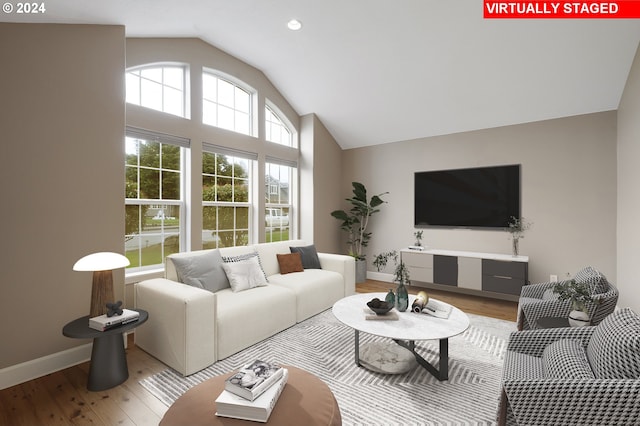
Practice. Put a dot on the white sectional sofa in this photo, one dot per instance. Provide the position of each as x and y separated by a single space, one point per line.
190 328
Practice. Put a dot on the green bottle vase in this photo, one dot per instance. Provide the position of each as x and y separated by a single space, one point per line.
402 298
391 298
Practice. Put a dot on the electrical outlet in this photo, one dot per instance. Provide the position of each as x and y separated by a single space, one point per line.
553 278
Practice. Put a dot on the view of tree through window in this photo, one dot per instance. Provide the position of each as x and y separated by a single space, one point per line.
153 201
225 200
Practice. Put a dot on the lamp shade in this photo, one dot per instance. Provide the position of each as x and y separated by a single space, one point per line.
103 261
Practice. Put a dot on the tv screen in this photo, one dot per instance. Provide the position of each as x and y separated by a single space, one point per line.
483 197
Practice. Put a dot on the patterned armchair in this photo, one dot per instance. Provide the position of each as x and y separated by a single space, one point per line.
538 300
574 375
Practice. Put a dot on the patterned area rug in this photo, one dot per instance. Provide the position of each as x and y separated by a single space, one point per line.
325 347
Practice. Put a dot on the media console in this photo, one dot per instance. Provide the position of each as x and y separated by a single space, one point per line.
499 276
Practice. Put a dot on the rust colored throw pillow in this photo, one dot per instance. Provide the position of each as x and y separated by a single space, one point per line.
290 263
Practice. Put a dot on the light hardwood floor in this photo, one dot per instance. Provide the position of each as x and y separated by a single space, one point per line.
61 398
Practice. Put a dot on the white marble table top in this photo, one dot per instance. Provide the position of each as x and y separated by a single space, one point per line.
352 310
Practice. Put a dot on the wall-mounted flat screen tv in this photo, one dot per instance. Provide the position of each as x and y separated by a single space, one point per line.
482 197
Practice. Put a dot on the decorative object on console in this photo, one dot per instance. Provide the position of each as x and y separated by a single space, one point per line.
517 228
418 235
101 264
114 308
355 224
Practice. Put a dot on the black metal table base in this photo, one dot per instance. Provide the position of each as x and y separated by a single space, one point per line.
108 363
440 372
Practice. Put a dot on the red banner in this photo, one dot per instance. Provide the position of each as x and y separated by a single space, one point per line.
625 9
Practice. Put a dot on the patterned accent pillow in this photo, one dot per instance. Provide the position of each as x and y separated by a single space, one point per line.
290 263
245 274
309 256
597 282
614 349
566 359
242 257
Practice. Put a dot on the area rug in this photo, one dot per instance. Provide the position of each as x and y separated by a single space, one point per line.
325 347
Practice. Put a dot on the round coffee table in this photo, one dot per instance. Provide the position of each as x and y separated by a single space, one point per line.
408 328
305 400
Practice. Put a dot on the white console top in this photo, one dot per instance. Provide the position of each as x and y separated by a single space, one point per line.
492 256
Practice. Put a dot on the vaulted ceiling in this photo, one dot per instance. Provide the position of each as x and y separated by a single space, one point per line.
379 71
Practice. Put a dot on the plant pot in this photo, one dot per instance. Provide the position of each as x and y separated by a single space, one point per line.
578 318
361 270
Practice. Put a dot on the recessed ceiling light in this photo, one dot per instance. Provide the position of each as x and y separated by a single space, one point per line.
294 25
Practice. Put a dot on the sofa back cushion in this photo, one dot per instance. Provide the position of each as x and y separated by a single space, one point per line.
566 359
614 348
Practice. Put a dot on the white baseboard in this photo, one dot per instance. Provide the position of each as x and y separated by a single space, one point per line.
380 276
20 373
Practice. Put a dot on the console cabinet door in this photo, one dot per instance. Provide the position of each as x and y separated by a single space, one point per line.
503 277
420 266
445 270
470 273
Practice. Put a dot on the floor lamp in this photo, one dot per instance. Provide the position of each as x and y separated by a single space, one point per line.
102 264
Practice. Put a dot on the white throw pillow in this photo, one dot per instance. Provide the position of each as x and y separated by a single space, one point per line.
244 274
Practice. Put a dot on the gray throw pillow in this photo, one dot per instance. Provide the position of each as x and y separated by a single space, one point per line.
202 271
309 256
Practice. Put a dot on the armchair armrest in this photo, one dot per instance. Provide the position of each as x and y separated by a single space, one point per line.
181 329
535 291
344 265
533 342
530 310
574 401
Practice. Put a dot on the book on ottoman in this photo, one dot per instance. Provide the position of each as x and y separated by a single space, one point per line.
231 405
253 379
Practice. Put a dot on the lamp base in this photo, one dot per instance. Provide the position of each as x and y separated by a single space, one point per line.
101 292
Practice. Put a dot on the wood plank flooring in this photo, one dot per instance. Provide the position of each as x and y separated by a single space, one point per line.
61 398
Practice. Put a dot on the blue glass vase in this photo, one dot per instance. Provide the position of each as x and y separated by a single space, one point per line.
391 298
402 298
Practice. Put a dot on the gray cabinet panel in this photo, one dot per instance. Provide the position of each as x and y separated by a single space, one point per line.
445 270
504 269
501 284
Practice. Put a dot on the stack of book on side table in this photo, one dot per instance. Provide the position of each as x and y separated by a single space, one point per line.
104 322
252 392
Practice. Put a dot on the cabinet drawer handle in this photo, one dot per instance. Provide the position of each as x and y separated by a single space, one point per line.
504 277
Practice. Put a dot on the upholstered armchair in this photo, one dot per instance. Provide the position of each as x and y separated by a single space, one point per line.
574 375
538 300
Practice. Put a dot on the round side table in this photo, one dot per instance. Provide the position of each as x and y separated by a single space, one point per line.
108 366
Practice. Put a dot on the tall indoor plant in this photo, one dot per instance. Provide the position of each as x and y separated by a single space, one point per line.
355 222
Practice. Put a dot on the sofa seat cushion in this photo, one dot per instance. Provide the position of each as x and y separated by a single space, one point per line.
614 349
520 366
566 359
246 318
315 289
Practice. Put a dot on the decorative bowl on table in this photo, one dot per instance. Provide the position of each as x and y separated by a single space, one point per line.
380 307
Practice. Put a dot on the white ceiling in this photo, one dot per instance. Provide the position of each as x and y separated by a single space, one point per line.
378 71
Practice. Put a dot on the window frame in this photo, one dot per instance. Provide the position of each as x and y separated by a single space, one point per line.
237 85
184 90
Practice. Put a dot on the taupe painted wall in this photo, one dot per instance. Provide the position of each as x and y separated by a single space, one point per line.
568 190
62 121
628 192
321 168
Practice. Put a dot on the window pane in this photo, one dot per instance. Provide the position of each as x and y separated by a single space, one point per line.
208 163
225 190
131 182
242 217
173 102
242 100
131 151
209 218
149 154
226 239
241 191
151 94
242 123
209 87
225 93
133 88
132 220
225 118
154 74
174 77
208 188
170 185
210 113
170 157
150 184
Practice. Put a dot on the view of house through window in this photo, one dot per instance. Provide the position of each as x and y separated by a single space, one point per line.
153 203
278 180
225 200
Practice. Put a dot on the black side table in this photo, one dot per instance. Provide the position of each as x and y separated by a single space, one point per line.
552 322
108 361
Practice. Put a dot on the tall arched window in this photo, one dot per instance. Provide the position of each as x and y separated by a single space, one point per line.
275 128
226 104
158 87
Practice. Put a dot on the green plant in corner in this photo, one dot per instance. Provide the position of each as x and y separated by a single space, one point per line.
356 220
